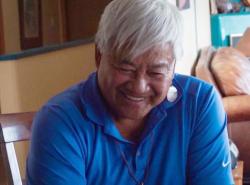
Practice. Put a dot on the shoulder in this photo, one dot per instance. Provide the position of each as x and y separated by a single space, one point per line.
63 110
67 98
197 98
62 121
66 108
194 90
76 96
191 85
202 101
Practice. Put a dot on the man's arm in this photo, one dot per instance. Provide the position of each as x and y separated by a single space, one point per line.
56 154
209 156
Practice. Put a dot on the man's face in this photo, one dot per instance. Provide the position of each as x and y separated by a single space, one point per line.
132 88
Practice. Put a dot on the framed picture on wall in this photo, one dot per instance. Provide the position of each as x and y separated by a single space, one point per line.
173 2
30 23
234 39
183 4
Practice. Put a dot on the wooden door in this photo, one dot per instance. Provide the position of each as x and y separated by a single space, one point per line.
82 17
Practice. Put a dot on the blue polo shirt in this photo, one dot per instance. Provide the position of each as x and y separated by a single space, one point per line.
75 141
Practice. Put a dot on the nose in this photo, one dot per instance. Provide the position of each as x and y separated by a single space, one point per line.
139 85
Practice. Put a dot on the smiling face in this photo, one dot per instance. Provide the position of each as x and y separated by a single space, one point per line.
132 88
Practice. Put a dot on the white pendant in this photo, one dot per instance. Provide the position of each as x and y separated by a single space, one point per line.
172 94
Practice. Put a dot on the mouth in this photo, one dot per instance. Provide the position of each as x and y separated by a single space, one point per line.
133 98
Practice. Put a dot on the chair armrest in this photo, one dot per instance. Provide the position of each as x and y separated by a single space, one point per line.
237 107
202 67
239 132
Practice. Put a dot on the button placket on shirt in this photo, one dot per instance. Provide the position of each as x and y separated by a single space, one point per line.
141 157
138 153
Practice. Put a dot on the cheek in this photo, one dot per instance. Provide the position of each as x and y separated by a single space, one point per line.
118 78
161 88
109 77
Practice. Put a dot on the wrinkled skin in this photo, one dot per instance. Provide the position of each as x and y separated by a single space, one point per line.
132 88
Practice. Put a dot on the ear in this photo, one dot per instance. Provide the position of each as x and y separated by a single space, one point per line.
98 57
174 65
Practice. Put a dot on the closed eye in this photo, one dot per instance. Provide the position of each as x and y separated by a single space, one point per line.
126 68
156 74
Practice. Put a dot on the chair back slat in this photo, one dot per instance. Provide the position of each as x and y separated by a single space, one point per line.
13 128
14 172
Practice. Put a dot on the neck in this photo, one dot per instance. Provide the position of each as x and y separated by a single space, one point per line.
130 129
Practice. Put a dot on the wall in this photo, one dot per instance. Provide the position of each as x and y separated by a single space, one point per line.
196 28
203 32
11 25
196 33
27 83
189 41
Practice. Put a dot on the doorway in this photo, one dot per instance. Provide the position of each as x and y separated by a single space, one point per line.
82 18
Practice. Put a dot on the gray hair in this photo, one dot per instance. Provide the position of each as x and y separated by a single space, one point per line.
132 27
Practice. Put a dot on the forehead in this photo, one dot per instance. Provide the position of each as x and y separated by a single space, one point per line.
156 54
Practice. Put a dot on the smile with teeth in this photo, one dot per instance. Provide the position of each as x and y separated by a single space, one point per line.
133 98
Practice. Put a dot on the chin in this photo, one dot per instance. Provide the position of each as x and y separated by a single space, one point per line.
132 114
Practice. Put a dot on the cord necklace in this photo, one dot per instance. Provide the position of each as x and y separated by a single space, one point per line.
131 173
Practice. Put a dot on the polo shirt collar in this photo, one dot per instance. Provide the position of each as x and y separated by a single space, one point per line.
166 104
96 109
160 112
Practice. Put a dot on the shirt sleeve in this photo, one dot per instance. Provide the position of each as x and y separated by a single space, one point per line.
56 155
209 155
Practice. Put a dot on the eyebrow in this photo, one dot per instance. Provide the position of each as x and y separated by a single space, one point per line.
162 64
125 61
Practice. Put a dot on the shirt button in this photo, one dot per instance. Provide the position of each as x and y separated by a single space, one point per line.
138 153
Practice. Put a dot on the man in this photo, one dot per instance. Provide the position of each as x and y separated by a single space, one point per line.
134 121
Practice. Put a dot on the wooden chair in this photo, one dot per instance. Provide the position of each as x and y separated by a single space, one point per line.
14 127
